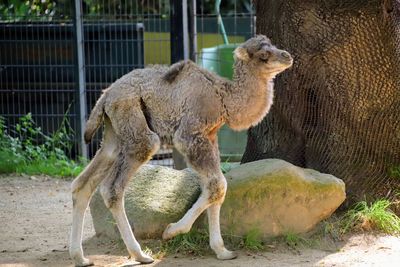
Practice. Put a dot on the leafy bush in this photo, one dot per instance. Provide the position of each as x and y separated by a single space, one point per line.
31 151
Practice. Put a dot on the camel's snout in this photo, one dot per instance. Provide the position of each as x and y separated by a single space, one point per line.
284 57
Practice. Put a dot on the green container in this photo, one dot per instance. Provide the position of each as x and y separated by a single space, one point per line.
219 59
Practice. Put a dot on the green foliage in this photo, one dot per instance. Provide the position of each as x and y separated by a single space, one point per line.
31 151
228 7
48 10
117 8
376 216
253 240
42 10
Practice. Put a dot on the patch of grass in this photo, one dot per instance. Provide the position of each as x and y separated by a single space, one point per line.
193 243
395 172
253 240
196 243
26 149
376 216
53 167
295 241
330 228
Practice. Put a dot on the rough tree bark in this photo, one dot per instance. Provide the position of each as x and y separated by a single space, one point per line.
338 109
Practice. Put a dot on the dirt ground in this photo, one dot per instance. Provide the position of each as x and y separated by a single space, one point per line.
35 219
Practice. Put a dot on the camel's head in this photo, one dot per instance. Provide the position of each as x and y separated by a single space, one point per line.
258 52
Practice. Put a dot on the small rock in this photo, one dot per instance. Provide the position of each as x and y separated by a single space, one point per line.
33 178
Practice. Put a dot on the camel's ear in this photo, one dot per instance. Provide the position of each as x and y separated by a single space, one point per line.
242 54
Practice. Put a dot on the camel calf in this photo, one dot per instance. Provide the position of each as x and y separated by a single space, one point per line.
184 105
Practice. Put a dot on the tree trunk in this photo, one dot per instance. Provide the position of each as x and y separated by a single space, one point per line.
338 109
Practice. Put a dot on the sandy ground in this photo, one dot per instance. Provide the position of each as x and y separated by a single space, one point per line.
35 219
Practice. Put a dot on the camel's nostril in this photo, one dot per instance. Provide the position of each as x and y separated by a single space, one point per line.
285 54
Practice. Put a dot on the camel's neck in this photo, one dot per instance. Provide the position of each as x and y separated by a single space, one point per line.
248 98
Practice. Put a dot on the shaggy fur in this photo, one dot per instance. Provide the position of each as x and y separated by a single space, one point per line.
183 105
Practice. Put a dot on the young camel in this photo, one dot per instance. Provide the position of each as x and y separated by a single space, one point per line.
184 104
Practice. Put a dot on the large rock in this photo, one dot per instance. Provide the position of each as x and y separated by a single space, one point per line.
271 196
155 197
276 197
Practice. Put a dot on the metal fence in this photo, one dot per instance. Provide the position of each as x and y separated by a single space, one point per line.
57 57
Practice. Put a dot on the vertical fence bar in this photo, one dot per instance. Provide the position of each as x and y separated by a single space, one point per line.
178 51
185 29
176 22
81 75
193 30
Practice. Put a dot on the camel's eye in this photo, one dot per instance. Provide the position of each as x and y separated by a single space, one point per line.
263 44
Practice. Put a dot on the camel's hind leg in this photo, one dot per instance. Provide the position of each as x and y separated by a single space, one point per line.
137 144
82 190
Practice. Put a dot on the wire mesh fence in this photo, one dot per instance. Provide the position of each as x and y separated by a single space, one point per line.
39 70
37 64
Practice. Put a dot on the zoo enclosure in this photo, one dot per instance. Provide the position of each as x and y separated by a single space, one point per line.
57 56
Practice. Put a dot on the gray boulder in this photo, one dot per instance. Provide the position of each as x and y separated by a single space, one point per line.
271 196
155 197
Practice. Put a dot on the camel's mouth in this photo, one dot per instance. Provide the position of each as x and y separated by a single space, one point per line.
278 66
277 58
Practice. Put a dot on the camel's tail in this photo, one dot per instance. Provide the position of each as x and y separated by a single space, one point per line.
95 119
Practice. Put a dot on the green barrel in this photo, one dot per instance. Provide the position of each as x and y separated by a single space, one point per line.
219 59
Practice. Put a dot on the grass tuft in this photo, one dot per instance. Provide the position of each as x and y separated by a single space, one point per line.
253 240
193 243
295 241
376 216
395 172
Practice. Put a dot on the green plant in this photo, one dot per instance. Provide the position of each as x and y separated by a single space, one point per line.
395 172
31 151
43 10
294 240
376 216
253 240
195 243
226 166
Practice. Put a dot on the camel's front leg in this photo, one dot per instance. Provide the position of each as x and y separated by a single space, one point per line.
203 157
216 241
185 223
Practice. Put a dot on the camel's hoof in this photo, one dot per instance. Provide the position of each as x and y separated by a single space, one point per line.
168 233
227 255
84 262
144 259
